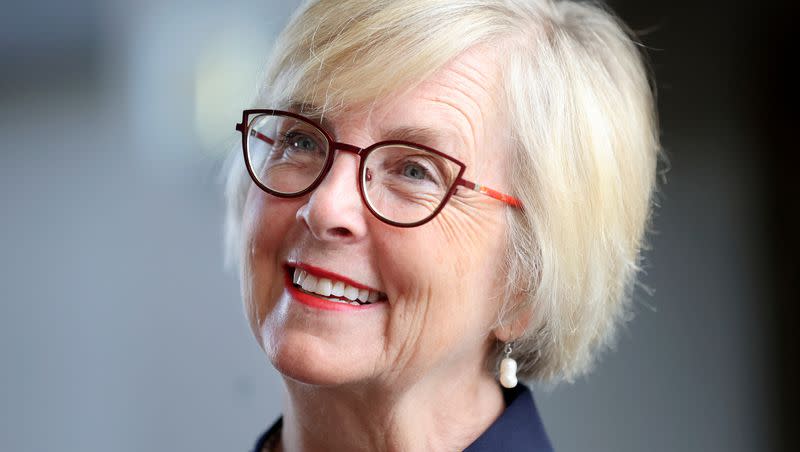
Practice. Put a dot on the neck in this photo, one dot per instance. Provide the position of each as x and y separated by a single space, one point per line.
433 414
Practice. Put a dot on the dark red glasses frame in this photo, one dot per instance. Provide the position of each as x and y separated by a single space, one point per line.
334 145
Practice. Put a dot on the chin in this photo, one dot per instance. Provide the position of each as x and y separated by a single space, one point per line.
307 359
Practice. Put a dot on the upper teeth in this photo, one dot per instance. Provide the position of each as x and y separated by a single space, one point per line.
327 287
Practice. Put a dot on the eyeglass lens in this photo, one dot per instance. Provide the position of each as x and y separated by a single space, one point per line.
401 183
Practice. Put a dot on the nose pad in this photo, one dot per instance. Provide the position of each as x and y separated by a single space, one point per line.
334 210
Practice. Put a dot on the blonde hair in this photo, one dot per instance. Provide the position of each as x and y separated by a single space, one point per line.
584 155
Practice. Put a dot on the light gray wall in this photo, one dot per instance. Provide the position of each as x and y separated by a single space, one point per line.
119 329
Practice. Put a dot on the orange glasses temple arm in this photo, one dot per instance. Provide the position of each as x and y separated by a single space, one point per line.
508 199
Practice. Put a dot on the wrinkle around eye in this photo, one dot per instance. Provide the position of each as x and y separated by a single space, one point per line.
467 226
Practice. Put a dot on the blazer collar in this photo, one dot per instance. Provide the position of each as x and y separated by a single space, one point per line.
519 427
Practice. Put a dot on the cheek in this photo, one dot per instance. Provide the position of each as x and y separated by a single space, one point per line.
451 250
445 278
265 224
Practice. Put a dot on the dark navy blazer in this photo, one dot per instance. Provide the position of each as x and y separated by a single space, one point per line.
518 428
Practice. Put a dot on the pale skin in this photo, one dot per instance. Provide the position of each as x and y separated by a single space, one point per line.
410 373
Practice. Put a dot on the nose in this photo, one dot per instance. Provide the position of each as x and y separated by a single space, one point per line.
334 211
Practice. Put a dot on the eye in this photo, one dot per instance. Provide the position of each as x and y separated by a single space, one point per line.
301 142
414 171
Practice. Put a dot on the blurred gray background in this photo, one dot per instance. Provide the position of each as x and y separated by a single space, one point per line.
120 330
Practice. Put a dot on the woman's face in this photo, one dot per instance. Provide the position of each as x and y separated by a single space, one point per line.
441 280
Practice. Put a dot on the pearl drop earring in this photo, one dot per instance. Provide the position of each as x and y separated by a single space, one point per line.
508 369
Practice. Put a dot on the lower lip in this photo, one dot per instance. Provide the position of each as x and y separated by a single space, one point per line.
321 303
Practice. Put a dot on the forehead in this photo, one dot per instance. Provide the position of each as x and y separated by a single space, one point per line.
455 110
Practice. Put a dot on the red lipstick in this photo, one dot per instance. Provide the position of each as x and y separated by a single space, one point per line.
322 273
317 301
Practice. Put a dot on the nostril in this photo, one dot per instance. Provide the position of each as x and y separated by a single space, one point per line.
340 232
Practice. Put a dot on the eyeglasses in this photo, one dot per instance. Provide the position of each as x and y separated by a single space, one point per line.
403 184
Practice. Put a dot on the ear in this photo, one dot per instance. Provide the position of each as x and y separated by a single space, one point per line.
515 325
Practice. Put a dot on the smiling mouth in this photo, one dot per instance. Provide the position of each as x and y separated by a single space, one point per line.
332 289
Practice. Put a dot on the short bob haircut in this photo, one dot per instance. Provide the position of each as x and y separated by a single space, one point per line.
584 147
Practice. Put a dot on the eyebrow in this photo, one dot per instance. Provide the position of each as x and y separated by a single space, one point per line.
309 111
421 135
434 138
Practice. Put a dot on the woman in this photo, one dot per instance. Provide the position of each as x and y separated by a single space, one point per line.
380 275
